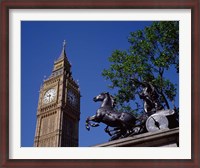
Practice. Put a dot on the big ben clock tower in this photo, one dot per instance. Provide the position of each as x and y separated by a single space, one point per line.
58 112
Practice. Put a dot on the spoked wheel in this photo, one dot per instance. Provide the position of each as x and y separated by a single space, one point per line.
157 122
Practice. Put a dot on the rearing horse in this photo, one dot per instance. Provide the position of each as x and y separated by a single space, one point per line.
121 121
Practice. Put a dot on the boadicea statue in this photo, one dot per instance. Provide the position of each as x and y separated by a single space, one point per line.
125 124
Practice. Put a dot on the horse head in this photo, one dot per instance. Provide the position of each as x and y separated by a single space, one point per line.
101 96
106 98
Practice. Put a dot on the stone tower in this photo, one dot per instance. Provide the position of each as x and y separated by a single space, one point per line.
58 111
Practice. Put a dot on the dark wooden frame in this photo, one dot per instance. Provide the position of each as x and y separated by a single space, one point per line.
194 5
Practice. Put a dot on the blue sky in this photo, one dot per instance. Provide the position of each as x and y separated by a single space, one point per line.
89 44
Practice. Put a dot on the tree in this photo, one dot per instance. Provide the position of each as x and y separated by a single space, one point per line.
153 52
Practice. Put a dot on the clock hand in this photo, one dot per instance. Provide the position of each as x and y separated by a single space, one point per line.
49 96
156 123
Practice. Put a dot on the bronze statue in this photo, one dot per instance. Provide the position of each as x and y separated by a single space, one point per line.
150 97
125 124
122 122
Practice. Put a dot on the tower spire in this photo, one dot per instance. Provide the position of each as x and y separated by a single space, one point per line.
64 44
63 53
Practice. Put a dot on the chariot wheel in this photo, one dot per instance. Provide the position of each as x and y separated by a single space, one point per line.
156 122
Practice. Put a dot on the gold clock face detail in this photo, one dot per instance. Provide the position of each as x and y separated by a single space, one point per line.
49 96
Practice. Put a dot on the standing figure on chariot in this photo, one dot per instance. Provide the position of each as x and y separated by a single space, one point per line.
150 96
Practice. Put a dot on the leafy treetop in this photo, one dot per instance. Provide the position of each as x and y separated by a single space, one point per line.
152 53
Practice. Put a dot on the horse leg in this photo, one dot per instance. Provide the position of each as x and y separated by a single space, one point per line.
123 129
116 134
107 130
88 123
94 119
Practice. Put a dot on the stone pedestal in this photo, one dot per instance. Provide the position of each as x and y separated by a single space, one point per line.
162 138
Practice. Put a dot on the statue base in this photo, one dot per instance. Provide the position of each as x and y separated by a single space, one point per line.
161 138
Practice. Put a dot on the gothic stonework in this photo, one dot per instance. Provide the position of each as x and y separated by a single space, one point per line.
58 112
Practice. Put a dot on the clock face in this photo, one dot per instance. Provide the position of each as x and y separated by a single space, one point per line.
72 98
49 96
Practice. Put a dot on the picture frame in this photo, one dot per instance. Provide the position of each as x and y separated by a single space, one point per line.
101 4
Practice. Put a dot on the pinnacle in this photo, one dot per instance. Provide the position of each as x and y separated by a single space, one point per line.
63 53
